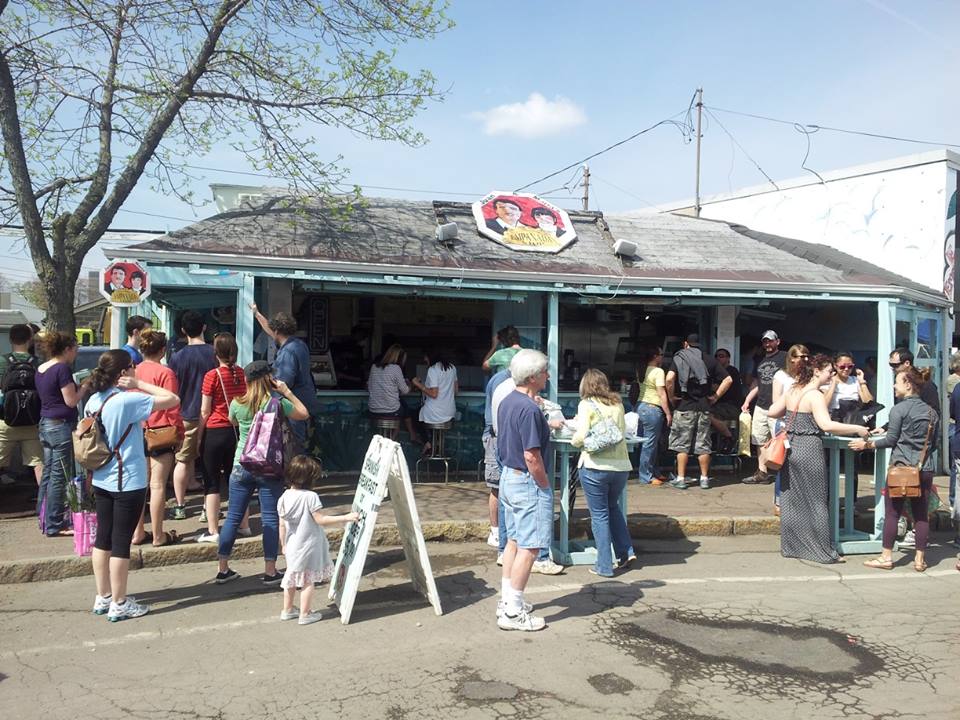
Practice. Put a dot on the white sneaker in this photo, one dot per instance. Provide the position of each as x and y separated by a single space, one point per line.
502 608
291 614
547 567
525 622
704 483
493 539
206 537
901 527
310 618
500 559
129 609
101 604
909 541
244 532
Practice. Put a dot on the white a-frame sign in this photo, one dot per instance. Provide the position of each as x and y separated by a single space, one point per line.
384 470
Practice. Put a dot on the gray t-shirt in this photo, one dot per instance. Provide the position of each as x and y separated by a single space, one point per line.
306 544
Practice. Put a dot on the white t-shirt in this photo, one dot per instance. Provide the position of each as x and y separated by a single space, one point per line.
443 408
503 389
785 380
849 390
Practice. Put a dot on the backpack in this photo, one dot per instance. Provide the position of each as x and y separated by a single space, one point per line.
21 401
690 365
270 443
90 443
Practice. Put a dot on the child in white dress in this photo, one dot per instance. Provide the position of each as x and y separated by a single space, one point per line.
302 540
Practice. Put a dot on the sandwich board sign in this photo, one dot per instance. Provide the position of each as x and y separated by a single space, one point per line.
384 473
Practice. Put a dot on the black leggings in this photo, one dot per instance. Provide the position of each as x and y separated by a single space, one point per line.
219 445
117 516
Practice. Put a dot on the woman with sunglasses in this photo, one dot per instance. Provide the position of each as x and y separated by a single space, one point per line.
846 387
653 410
796 357
120 486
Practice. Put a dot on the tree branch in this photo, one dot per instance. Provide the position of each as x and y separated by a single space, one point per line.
157 128
18 168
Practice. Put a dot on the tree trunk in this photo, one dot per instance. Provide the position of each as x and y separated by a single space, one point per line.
60 292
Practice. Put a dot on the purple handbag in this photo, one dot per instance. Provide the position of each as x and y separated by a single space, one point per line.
263 451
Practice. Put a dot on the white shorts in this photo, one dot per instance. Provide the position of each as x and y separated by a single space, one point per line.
763 427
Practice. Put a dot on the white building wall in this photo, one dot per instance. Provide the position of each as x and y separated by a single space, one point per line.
893 218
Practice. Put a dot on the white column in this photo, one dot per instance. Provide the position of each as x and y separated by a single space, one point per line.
553 342
245 321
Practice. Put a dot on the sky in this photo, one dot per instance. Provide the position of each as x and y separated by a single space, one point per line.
535 86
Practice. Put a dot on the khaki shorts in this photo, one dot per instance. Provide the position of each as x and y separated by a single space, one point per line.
763 427
27 437
190 449
690 432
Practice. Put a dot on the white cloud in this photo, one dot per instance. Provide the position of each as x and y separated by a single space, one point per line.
537 117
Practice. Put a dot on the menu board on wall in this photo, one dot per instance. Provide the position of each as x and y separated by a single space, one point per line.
318 325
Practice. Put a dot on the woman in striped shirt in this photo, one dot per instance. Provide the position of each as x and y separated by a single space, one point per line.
386 385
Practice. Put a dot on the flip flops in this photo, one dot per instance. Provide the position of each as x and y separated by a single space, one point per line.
879 564
920 566
170 537
147 538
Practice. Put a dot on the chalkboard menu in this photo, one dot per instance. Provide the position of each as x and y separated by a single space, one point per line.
318 325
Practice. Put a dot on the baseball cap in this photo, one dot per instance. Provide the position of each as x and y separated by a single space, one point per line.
256 369
770 335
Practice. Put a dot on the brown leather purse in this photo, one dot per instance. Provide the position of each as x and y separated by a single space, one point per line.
165 437
903 481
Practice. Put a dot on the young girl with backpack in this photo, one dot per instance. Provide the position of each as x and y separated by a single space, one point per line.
302 539
261 388
120 485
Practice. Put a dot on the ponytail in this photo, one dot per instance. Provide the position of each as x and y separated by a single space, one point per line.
111 365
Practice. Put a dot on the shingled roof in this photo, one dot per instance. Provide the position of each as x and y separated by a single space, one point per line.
398 235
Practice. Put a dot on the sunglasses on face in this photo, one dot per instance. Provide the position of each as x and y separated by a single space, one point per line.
845 367
895 365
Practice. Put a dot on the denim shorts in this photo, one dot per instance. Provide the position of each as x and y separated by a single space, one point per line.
527 509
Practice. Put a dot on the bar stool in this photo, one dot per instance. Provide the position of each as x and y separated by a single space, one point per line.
389 427
437 452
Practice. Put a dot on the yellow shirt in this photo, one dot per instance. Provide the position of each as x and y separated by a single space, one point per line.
614 459
653 378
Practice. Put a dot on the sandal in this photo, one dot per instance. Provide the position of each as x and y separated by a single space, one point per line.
147 538
170 537
879 564
920 566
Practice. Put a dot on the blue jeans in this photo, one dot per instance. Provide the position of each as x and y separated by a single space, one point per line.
603 489
58 468
242 485
649 427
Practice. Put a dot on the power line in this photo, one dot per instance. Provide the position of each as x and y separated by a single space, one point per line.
683 127
594 176
813 127
742 149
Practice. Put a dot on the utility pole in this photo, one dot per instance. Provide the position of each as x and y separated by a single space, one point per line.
696 200
586 188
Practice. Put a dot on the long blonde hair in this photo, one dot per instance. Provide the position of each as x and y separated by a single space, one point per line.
258 392
795 351
595 386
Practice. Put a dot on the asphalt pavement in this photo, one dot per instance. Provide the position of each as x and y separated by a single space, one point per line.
702 629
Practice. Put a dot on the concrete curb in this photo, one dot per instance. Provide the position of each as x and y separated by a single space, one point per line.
656 527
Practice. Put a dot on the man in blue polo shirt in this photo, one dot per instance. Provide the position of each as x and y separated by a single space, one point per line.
523 442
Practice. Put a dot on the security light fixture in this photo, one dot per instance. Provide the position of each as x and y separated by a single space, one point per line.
447 233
